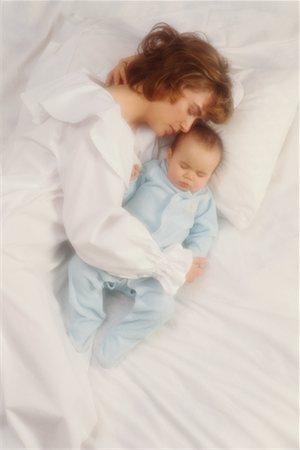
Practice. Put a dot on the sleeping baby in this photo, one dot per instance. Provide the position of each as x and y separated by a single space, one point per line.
172 199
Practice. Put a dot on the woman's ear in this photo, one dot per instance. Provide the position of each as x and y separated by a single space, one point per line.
169 154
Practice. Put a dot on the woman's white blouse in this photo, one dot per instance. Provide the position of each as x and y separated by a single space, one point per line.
80 136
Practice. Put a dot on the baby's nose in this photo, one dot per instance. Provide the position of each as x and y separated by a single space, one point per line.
189 176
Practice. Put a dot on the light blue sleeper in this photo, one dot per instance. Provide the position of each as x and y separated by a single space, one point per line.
172 216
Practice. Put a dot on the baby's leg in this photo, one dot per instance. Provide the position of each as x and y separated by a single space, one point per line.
85 301
152 308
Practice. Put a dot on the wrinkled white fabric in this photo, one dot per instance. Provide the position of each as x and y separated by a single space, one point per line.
65 178
93 147
47 396
223 373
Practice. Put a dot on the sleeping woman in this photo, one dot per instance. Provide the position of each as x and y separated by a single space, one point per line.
65 183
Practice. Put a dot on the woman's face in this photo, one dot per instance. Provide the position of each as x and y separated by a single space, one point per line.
166 118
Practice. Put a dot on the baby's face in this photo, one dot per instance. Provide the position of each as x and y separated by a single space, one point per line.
191 165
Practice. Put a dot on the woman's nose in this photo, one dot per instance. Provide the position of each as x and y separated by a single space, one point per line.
186 124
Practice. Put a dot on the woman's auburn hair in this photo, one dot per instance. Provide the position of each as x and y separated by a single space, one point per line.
168 62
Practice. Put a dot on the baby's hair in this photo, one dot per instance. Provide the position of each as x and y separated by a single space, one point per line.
205 135
168 62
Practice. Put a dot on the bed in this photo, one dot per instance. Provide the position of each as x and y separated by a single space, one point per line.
222 374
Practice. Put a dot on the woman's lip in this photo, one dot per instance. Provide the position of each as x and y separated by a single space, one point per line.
171 130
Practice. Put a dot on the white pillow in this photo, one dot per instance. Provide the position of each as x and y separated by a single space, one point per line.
254 136
253 139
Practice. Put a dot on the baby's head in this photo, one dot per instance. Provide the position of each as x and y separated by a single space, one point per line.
193 157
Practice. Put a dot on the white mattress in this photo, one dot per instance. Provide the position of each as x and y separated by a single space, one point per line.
222 374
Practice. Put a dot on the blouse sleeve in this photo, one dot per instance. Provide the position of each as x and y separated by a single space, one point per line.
95 156
103 233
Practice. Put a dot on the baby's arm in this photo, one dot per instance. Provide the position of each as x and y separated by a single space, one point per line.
200 238
205 228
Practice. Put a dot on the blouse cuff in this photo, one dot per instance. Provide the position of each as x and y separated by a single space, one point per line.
173 267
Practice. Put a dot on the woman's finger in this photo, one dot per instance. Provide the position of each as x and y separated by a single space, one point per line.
118 74
123 73
116 77
109 78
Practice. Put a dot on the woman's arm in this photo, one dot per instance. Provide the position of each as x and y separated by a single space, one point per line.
103 233
93 150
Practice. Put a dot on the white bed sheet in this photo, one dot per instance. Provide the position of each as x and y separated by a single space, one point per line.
223 373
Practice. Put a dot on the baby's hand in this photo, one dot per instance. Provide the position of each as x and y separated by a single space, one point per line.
135 173
196 269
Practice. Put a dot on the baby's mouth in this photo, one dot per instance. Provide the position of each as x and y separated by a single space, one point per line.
184 185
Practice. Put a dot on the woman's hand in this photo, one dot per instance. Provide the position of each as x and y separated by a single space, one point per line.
196 269
118 74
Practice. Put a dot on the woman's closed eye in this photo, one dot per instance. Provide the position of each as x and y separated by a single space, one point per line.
192 112
195 111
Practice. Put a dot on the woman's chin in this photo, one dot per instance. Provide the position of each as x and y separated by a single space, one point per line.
160 133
